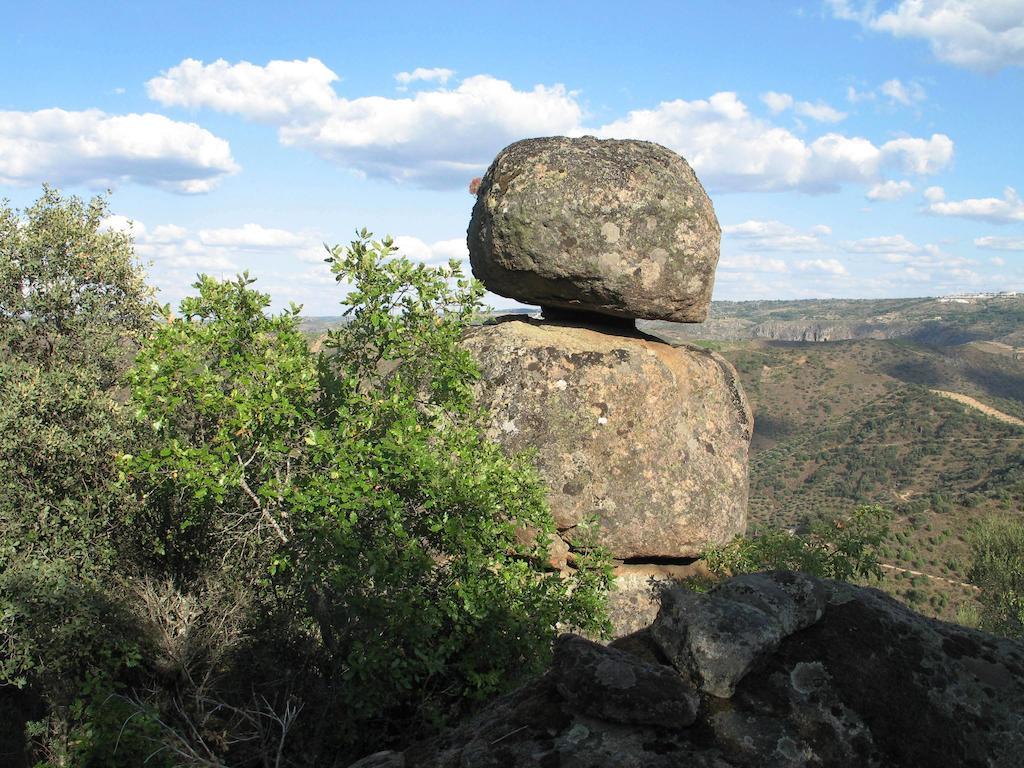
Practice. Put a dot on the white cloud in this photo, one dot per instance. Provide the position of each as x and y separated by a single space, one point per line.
253 236
751 262
441 138
433 138
775 236
921 156
890 190
96 149
855 97
984 35
819 111
1009 208
934 194
907 95
883 244
281 90
731 150
1000 243
777 102
439 252
911 257
166 233
118 223
999 261
827 266
423 74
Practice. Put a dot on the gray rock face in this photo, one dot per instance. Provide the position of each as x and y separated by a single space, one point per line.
855 680
620 688
621 228
716 639
639 587
650 438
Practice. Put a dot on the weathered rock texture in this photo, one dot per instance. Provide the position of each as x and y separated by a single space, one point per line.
622 228
845 677
649 437
639 588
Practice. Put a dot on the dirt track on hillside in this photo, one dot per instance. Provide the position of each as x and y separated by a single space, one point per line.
986 409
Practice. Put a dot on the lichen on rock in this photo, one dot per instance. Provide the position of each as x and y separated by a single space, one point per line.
617 227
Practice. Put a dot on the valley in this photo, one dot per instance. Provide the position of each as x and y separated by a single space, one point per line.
933 431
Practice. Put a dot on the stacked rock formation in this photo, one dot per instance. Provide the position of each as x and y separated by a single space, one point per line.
650 438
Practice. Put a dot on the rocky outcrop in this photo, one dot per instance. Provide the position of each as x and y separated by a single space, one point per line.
767 670
650 438
620 228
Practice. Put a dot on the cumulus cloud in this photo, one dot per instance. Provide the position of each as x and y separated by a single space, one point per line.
826 266
1005 210
433 138
423 74
991 242
732 150
253 236
775 236
899 250
819 111
93 148
906 94
977 34
883 244
890 190
751 262
441 138
855 97
777 102
280 90
436 253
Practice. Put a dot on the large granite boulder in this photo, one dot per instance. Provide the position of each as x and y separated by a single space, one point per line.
650 438
621 228
846 678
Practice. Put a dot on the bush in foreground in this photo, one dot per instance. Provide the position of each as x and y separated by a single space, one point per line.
242 552
354 500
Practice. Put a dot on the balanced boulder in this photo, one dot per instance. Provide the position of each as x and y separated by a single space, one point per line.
620 228
649 438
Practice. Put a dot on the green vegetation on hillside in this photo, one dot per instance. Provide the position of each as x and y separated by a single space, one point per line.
847 423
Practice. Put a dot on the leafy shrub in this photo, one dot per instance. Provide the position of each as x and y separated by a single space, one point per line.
998 569
355 499
844 549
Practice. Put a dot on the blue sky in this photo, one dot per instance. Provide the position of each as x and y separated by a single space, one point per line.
851 149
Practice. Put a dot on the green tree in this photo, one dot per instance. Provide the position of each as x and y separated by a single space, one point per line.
73 307
355 498
998 570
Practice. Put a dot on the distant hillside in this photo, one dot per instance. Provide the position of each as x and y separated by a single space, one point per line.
851 422
942 321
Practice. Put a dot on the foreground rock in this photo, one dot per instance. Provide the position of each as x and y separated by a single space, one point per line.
650 438
621 228
819 674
